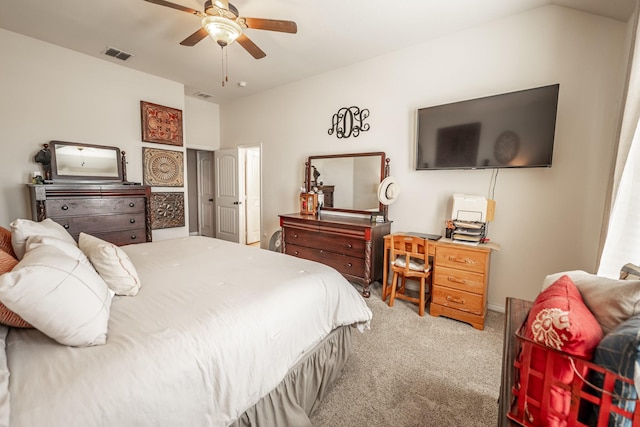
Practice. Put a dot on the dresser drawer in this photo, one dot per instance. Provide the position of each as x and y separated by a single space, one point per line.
100 223
88 206
125 237
459 300
345 245
459 279
344 264
462 258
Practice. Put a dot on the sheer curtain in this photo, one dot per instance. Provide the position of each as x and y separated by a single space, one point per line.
622 242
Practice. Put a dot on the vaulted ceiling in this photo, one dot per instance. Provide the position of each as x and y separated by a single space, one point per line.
331 34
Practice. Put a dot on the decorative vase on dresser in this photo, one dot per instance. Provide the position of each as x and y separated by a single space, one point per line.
354 246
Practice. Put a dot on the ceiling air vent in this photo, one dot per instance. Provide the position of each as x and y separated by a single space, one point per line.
203 95
117 53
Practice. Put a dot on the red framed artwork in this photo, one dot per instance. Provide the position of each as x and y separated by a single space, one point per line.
161 124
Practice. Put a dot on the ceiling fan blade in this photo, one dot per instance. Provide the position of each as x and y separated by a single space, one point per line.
271 25
177 6
250 46
195 37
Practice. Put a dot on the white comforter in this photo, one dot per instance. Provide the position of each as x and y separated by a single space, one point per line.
214 328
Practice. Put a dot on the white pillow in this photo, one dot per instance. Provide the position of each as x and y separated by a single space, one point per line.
112 263
63 298
70 249
22 229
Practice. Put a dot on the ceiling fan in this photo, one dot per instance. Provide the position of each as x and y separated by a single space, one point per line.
222 22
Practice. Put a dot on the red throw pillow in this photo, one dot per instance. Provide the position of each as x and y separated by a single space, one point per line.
559 319
5 242
8 317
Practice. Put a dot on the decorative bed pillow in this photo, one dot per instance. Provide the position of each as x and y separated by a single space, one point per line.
8 317
112 263
611 301
560 320
5 242
69 249
22 229
58 295
619 352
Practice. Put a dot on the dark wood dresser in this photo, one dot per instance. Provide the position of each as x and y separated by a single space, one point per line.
353 246
117 213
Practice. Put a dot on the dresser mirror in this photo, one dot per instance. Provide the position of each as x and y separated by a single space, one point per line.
71 161
349 182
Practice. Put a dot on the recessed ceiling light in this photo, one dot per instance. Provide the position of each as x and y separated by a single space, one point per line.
242 84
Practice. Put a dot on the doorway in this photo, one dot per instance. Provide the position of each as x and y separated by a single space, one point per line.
202 175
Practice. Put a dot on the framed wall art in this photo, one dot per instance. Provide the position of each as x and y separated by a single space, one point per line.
167 210
161 124
162 168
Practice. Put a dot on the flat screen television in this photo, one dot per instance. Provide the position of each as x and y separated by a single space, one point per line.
510 130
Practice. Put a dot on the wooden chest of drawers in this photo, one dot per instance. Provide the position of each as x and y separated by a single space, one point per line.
460 276
353 246
115 213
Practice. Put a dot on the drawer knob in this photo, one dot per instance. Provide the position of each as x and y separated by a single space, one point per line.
349 265
66 226
456 300
132 221
134 237
456 280
295 236
349 245
295 252
131 204
65 207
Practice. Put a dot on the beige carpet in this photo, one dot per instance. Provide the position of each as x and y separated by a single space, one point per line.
410 371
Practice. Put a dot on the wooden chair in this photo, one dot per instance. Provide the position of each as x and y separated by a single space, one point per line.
409 260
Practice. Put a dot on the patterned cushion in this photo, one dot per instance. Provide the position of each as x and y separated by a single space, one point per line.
5 242
559 319
619 351
8 317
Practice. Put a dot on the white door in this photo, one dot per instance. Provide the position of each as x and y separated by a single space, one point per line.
230 224
206 225
252 172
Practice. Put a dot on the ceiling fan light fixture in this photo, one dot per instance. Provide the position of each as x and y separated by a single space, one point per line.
223 30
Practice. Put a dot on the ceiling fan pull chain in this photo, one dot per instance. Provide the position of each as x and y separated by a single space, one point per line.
226 65
222 64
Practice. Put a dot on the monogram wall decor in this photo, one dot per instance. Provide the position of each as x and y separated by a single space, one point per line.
349 121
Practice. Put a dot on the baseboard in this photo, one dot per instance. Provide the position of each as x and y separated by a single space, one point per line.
498 308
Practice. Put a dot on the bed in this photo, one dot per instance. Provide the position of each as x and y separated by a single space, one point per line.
218 334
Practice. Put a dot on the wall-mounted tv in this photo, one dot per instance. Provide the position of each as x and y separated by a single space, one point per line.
511 130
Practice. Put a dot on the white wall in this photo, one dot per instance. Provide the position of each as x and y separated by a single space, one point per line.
547 220
51 93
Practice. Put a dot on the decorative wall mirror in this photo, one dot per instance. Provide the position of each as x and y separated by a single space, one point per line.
85 162
349 181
